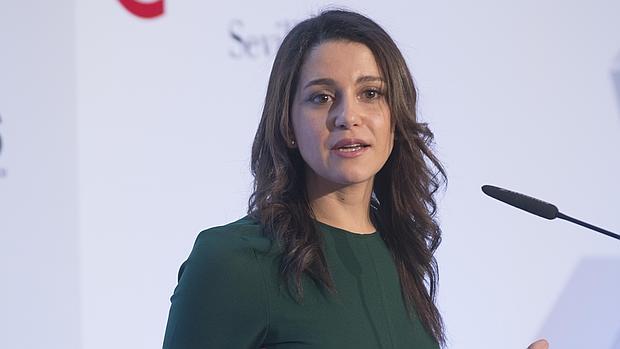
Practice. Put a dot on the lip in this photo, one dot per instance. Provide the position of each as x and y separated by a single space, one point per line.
349 141
350 153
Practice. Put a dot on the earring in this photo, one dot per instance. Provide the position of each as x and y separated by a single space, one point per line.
293 142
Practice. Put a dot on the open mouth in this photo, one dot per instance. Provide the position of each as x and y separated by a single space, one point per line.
349 148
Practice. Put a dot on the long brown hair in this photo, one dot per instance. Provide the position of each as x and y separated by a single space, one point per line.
403 206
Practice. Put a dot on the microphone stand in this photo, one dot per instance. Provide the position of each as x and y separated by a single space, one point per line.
587 225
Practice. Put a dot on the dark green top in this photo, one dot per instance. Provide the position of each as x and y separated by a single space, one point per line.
229 296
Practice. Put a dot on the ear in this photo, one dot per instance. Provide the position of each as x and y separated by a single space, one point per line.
291 143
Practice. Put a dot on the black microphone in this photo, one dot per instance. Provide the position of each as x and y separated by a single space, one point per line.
537 207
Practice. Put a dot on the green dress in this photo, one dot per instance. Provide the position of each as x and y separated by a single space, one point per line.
229 296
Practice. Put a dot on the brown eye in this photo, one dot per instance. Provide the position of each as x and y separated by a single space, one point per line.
371 94
320 98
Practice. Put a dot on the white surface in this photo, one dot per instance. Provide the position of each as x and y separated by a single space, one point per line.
38 197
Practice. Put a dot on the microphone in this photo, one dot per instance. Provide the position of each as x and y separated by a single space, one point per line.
538 207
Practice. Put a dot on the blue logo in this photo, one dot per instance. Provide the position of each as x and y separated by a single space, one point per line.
0 136
2 169
615 76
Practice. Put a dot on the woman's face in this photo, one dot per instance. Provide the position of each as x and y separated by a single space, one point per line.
341 120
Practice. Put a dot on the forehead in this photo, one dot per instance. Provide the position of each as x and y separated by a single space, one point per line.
339 60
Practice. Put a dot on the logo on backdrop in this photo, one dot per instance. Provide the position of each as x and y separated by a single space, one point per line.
2 169
144 9
615 76
249 42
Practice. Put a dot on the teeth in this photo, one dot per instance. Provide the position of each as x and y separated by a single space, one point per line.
350 148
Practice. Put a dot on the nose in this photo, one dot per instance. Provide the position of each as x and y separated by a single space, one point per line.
347 113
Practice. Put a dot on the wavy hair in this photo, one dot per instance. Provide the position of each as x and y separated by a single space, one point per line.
403 206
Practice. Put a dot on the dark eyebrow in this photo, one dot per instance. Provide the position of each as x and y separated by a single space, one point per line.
321 81
369 78
331 82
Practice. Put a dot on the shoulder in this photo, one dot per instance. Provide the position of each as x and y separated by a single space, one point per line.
229 248
221 280
241 235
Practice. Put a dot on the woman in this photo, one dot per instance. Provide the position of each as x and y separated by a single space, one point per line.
337 248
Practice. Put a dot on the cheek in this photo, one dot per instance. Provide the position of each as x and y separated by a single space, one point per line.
389 145
384 132
391 142
311 138
309 133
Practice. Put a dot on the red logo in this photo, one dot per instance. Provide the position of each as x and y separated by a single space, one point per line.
144 10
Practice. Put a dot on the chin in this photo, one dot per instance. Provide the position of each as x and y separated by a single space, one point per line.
351 178
342 177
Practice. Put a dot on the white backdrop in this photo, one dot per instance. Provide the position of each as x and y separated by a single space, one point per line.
123 137
39 269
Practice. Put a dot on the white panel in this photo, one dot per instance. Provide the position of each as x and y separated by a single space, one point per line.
38 223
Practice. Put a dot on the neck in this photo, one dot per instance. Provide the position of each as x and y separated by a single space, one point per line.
343 206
